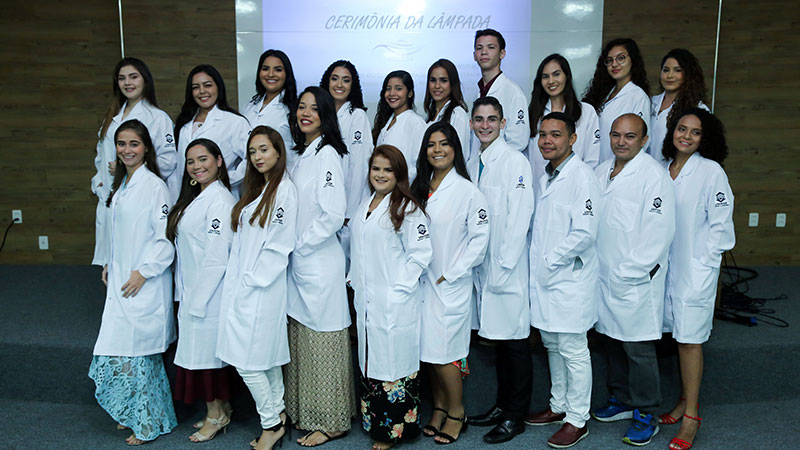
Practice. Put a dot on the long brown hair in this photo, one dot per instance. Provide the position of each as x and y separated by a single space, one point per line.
401 196
190 192
456 97
118 99
254 181
693 89
150 161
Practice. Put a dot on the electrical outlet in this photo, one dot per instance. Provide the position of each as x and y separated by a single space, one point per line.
753 221
780 220
16 215
44 244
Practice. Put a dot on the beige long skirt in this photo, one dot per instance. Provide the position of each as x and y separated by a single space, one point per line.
320 393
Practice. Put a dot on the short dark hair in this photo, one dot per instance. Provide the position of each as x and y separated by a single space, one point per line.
488 100
563 117
490 32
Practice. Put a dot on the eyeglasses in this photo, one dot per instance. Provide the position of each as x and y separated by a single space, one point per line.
620 59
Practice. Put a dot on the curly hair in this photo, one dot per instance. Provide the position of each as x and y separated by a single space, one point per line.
693 89
602 83
712 140
356 97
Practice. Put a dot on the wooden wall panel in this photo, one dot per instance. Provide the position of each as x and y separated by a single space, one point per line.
57 57
758 99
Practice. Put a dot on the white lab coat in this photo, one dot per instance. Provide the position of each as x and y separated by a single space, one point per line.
563 258
357 135
459 227
459 119
630 99
637 224
252 334
384 273
229 131
586 147
406 134
274 115
502 278
141 325
317 295
704 231
658 122
159 126
202 246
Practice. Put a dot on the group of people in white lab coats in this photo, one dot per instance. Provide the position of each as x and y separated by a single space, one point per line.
497 218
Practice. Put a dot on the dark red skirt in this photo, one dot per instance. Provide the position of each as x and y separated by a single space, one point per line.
206 385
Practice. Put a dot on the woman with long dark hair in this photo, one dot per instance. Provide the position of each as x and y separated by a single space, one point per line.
390 249
199 228
134 97
252 333
683 87
319 379
444 100
275 98
206 114
619 86
553 91
137 325
396 123
695 151
459 227
341 80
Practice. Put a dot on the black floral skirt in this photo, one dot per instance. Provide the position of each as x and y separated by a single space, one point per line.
389 409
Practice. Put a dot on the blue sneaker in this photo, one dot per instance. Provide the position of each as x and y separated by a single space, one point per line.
613 411
642 429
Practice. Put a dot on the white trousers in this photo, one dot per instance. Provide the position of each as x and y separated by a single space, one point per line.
570 375
266 387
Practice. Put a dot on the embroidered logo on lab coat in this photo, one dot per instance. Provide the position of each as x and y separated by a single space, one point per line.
520 183
278 216
720 200
423 232
214 226
482 217
520 117
588 211
169 138
656 206
596 136
357 137
328 180
164 212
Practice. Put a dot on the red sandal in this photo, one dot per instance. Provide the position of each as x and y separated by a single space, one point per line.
666 419
680 444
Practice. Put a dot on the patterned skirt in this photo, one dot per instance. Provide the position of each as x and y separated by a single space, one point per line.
389 409
319 379
135 392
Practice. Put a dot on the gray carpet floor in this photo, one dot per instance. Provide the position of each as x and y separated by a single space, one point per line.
750 397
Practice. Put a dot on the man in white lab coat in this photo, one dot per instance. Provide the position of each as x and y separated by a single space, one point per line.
563 268
636 228
504 178
489 51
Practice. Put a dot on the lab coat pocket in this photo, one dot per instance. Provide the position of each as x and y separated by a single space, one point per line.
704 282
622 214
401 310
145 303
628 292
547 276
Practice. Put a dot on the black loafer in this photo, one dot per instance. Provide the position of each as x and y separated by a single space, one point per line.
491 417
504 431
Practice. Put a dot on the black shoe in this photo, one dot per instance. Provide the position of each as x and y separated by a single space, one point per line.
491 417
504 431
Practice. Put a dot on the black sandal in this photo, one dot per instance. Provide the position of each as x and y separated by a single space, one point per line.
432 429
451 439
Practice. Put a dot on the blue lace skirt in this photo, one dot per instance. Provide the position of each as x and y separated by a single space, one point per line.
135 392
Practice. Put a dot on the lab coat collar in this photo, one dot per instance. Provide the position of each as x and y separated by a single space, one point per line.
312 147
629 87
564 174
441 111
136 177
404 113
630 168
213 116
209 190
139 105
344 111
448 181
689 167
492 152
379 210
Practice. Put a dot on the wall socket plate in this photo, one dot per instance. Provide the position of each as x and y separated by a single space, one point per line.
16 215
780 220
44 243
752 221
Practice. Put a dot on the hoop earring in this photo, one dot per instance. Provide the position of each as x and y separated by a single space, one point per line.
193 182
